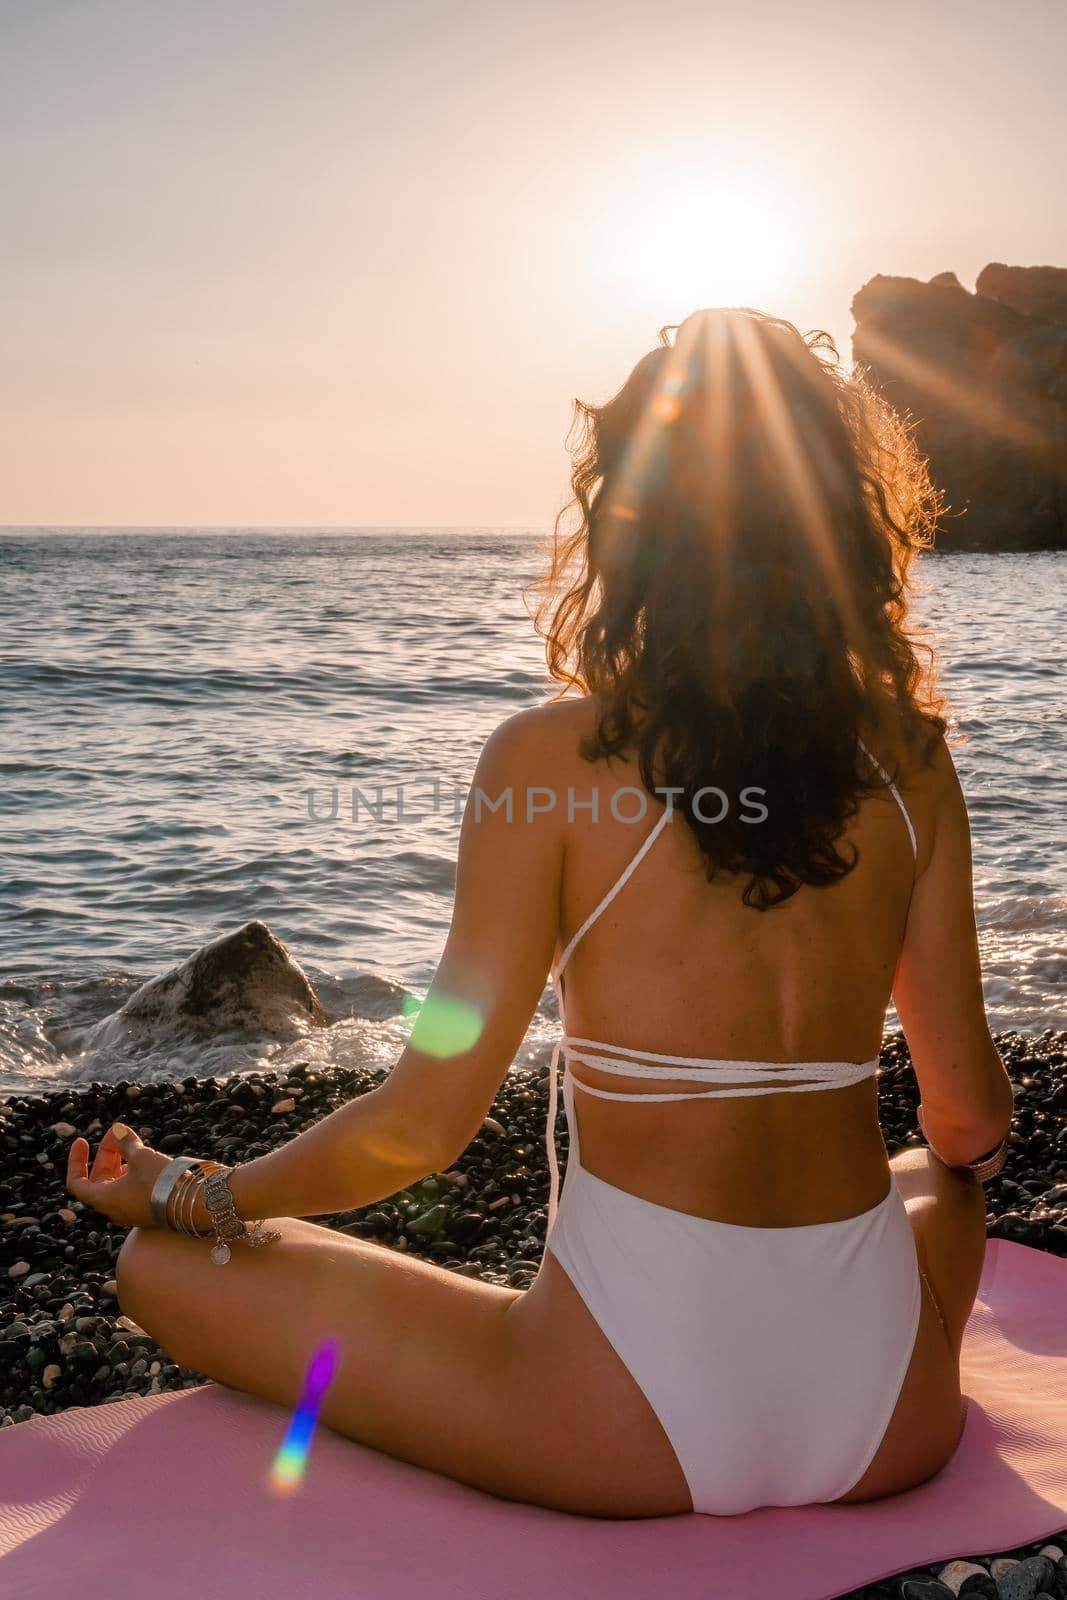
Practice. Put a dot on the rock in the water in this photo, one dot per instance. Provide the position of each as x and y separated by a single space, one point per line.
984 378
244 981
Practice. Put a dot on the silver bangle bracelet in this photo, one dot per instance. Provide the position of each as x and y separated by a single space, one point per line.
173 1199
186 1202
190 1187
988 1166
164 1184
984 1168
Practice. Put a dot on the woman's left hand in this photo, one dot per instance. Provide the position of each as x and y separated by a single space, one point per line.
120 1184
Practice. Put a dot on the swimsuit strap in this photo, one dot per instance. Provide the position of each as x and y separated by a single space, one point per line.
623 878
640 854
896 797
556 976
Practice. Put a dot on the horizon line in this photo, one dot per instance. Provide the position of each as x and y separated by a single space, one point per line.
272 527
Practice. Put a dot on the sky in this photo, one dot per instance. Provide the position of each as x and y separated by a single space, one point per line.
342 264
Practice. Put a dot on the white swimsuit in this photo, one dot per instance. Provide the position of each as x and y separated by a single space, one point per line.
773 1357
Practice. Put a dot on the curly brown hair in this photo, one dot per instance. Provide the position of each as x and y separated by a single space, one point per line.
735 594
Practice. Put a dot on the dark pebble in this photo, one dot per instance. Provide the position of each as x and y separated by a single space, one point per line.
1025 1581
975 1587
468 1226
979 1587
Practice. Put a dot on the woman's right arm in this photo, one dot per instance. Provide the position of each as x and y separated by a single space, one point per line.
965 1090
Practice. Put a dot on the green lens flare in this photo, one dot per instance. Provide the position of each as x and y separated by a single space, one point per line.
443 1025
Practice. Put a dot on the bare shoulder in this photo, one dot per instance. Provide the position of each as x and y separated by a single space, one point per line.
932 770
923 769
927 782
540 738
930 786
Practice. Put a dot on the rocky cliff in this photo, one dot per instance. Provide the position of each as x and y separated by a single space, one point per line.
984 378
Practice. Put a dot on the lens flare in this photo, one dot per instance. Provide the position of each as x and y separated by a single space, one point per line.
290 1463
443 1025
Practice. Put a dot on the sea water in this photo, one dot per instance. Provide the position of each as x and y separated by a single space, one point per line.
180 709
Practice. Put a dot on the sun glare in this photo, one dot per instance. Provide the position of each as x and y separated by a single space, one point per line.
675 245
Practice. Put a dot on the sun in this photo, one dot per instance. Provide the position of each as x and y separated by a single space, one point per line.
673 243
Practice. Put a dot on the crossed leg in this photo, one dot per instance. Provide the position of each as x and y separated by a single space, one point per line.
432 1370
514 1392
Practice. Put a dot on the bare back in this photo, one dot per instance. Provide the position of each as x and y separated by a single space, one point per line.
680 966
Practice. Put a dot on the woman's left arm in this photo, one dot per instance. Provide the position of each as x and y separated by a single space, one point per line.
503 932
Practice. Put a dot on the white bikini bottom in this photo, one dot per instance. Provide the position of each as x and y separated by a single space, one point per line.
773 1357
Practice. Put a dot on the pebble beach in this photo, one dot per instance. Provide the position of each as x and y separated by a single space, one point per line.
64 1341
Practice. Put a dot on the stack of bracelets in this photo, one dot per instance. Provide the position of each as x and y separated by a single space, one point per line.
984 1168
174 1195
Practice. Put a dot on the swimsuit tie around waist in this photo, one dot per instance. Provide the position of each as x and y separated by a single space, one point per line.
645 1064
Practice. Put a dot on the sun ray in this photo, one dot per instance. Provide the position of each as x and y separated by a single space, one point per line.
719 425
980 406
804 487
633 469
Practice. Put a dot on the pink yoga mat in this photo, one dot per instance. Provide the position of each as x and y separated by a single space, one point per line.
169 1496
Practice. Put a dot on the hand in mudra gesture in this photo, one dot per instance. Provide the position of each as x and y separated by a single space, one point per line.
120 1183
